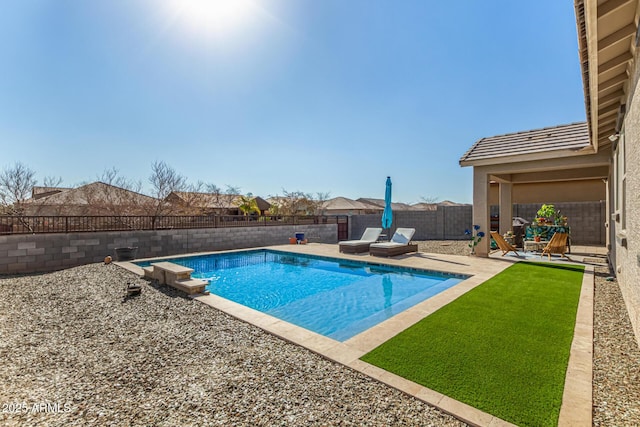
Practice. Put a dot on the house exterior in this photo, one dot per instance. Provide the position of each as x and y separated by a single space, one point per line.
593 160
608 41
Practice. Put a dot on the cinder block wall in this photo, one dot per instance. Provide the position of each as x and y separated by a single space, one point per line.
586 220
446 223
27 253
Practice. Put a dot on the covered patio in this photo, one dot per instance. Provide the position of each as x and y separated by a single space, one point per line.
554 164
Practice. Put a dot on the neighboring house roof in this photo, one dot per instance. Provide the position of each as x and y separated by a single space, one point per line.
571 137
345 204
301 205
40 192
450 203
214 201
434 206
93 193
380 204
425 206
205 200
263 205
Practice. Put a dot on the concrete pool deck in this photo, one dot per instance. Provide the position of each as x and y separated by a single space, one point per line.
576 407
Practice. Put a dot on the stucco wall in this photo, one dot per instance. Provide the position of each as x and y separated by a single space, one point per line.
588 190
28 253
628 258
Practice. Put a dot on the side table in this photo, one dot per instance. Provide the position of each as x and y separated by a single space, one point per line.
533 246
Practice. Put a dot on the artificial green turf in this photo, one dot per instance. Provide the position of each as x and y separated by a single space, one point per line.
502 347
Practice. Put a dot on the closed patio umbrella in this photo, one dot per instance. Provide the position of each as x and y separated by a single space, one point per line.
387 214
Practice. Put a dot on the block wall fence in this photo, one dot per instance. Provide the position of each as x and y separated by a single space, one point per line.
586 219
29 253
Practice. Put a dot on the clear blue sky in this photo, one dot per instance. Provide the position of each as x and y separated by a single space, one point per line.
303 95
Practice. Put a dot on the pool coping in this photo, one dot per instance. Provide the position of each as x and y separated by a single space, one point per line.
577 397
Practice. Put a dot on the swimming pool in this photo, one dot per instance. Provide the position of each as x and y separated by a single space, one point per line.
333 297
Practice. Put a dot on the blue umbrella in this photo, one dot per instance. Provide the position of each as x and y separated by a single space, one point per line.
387 215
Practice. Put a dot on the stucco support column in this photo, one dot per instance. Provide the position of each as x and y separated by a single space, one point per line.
481 215
506 208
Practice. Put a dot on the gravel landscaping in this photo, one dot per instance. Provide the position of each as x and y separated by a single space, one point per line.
616 358
76 352
70 339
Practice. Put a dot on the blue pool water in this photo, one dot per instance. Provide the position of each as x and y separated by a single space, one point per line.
336 298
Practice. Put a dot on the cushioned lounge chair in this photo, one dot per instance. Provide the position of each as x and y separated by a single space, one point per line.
369 236
557 245
400 244
504 246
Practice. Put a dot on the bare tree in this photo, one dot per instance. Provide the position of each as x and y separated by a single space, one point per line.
319 200
222 200
52 181
16 183
430 199
164 180
298 203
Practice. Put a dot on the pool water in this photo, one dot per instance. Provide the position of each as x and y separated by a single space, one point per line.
332 297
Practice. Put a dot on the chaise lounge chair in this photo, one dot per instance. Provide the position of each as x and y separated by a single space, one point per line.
369 236
400 244
557 245
504 246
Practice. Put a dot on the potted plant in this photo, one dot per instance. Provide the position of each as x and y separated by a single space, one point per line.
548 212
560 219
537 233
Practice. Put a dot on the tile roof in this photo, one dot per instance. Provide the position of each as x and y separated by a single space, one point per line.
379 203
95 192
573 136
344 203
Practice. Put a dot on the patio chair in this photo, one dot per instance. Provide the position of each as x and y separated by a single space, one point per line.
369 236
557 245
400 244
503 245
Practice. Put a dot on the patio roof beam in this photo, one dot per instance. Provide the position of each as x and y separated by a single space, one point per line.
621 35
607 122
502 178
611 6
608 110
577 174
512 166
615 62
612 97
607 131
612 82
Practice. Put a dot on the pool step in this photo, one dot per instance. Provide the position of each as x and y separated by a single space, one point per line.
190 286
177 276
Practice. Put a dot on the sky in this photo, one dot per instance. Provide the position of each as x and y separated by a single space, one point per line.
327 96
